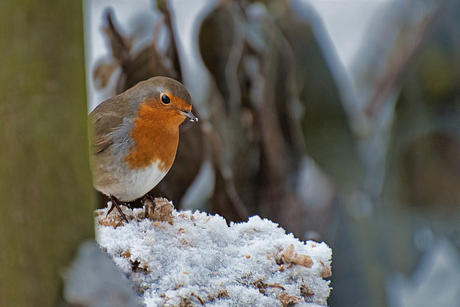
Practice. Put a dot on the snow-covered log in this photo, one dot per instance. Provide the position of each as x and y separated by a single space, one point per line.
193 259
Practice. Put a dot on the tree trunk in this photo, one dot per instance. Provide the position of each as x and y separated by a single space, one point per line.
45 182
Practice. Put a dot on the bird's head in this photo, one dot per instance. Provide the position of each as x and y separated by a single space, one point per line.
166 100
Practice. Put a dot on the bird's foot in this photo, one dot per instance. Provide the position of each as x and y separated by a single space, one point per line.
116 204
148 203
147 197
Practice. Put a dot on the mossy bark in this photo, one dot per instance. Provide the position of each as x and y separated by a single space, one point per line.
45 182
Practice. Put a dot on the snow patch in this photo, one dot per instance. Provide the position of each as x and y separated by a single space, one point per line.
191 259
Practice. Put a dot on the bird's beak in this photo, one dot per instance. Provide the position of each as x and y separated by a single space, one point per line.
188 114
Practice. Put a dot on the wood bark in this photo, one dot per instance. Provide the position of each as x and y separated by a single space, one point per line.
45 182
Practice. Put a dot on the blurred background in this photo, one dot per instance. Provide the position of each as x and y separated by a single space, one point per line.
339 120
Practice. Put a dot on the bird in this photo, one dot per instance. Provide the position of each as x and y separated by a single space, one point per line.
135 138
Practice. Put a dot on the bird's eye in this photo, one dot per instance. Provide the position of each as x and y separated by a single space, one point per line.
165 99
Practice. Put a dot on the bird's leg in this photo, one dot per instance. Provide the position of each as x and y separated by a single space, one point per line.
149 205
147 197
115 204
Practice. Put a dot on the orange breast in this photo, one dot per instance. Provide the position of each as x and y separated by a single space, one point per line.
156 136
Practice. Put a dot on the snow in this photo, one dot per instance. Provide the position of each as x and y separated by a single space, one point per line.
94 280
190 259
435 282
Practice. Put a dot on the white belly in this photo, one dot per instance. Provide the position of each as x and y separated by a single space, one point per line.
135 183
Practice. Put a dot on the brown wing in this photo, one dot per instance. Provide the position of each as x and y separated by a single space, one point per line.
104 118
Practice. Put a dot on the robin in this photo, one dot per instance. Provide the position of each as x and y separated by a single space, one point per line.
136 134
